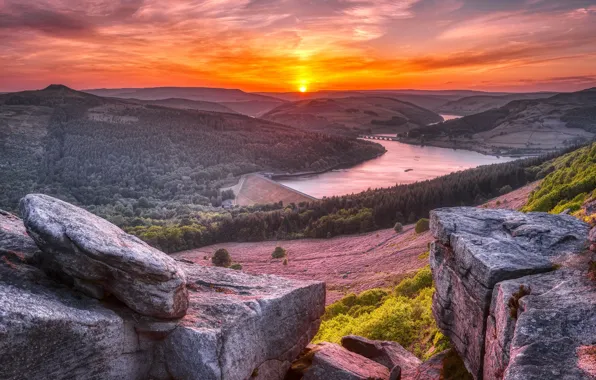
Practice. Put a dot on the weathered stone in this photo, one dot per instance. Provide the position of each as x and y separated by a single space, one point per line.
389 354
592 238
432 368
99 257
477 248
332 362
539 332
14 238
238 325
48 331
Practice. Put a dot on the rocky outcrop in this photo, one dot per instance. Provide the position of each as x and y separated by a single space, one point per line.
330 361
389 354
237 326
592 238
476 259
98 257
14 238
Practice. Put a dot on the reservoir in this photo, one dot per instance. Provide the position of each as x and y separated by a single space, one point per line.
401 164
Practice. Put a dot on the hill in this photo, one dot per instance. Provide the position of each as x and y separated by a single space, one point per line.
519 127
480 103
185 104
352 115
238 100
122 157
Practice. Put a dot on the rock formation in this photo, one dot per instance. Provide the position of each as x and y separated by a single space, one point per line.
236 327
512 291
14 238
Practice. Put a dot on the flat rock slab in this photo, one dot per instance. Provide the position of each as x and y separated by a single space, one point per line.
333 362
389 354
240 326
549 332
476 249
98 257
14 238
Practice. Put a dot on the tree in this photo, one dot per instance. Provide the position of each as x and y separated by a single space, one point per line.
422 225
278 253
398 227
221 258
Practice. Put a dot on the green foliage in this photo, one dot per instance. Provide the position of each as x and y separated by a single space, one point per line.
398 227
278 253
568 184
236 266
505 189
403 315
221 258
422 225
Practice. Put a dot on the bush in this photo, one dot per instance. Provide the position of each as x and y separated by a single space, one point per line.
422 225
403 316
505 189
236 266
278 253
398 227
221 258
286 261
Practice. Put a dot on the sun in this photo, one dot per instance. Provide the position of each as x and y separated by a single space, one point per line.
303 88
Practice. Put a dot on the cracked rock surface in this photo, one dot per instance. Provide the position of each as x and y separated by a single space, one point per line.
478 249
98 257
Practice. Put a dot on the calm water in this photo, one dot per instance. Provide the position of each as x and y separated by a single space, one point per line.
389 169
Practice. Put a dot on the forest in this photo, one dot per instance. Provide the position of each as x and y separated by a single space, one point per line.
355 213
112 155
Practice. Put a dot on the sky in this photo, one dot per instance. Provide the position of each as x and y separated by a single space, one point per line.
282 45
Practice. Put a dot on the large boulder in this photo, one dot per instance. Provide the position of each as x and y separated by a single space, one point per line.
389 354
330 361
540 325
14 238
98 257
475 250
239 325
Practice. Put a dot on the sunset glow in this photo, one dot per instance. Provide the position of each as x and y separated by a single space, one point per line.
264 45
303 88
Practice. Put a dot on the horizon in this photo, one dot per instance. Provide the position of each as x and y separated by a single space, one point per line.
285 45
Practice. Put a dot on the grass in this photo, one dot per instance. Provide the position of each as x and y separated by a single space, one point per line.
402 314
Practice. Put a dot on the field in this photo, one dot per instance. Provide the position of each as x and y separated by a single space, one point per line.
255 189
346 263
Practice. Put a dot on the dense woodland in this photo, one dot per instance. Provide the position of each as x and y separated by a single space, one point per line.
117 157
366 211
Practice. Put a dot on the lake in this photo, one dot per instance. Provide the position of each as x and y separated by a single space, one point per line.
427 162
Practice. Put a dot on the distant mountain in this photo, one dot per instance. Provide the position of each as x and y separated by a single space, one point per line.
105 153
237 100
520 126
186 104
353 115
480 103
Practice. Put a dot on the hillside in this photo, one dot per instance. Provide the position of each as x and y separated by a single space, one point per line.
520 127
185 104
353 115
123 157
479 103
238 100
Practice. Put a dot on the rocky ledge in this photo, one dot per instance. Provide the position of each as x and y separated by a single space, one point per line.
75 314
514 294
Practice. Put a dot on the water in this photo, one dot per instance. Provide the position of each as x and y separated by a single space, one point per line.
390 169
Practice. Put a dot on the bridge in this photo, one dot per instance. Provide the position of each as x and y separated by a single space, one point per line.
374 137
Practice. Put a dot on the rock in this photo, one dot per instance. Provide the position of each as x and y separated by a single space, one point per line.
332 362
96 257
431 369
238 324
47 331
478 248
14 238
389 354
592 238
539 333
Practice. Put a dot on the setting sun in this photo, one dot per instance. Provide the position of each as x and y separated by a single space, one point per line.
303 88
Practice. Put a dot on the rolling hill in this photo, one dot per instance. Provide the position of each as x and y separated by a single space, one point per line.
185 104
519 127
480 103
109 153
237 100
353 115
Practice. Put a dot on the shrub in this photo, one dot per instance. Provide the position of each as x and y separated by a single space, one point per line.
505 189
398 227
236 266
278 253
422 225
221 258
286 261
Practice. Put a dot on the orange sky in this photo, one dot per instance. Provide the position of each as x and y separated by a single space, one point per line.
280 45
